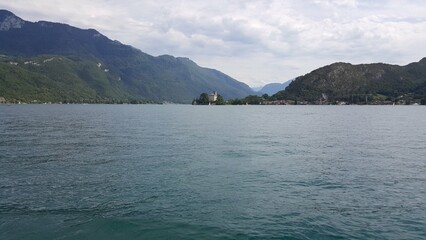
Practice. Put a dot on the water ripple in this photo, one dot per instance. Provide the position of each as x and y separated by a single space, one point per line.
162 172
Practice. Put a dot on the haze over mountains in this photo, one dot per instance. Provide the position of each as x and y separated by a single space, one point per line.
48 61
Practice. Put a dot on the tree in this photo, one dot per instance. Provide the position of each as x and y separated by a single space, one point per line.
220 100
236 102
204 99
253 100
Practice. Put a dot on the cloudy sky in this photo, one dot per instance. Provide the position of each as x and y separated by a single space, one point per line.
254 41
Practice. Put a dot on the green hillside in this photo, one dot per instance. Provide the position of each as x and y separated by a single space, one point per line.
353 83
58 78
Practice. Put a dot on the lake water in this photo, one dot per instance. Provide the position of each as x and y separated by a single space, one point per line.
223 172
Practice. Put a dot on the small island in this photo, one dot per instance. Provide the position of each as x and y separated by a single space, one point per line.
209 99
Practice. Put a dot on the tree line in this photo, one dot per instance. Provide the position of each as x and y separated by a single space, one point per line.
249 100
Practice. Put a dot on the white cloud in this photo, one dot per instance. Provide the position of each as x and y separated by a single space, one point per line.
338 3
255 41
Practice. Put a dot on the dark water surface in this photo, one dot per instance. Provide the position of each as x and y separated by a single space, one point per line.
193 172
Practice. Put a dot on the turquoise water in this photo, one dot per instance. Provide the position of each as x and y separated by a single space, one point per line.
200 172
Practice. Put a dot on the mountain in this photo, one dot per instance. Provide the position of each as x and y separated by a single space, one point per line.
59 79
257 89
93 63
273 88
350 83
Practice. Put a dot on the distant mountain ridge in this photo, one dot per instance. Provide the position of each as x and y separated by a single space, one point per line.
347 82
272 88
126 71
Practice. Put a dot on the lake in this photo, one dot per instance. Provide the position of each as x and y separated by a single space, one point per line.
212 172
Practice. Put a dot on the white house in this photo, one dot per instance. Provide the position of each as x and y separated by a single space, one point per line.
213 97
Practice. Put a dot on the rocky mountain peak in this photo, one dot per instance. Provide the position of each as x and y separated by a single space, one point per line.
9 20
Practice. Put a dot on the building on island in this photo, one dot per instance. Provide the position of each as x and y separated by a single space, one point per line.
209 99
213 97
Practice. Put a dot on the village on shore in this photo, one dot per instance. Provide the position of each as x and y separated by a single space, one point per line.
215 98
